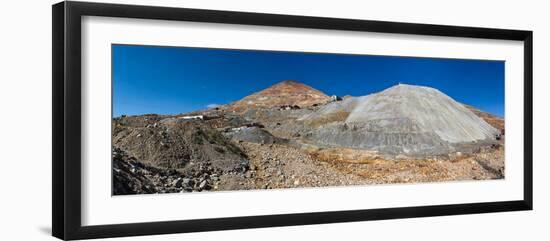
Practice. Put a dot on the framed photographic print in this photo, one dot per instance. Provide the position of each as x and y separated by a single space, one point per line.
170 120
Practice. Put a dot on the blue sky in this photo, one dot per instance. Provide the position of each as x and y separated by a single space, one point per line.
172 80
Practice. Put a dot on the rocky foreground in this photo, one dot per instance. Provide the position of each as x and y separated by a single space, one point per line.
291 135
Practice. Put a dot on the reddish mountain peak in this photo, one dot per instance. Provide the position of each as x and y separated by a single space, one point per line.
288 86
288 92
288 82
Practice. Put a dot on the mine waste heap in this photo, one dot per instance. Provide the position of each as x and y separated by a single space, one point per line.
404 119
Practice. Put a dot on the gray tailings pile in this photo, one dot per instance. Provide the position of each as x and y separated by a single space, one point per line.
403 119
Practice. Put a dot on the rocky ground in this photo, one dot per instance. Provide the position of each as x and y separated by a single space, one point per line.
273 166
487 164
282 166
133 177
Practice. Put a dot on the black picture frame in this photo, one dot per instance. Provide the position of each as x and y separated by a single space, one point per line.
66 159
